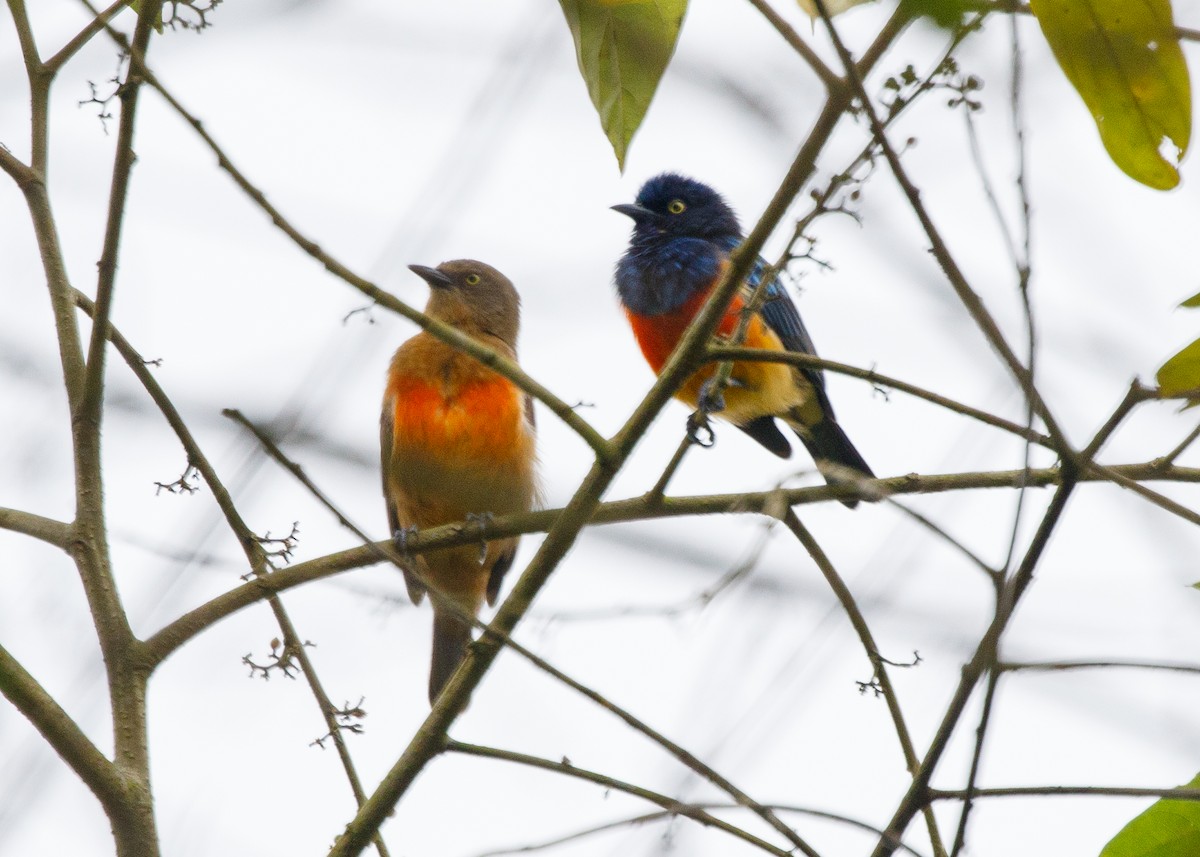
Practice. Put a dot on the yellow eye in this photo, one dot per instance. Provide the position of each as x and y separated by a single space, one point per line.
676 206
472 279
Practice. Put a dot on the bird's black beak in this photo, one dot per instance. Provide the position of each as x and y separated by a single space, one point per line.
638 213
435 278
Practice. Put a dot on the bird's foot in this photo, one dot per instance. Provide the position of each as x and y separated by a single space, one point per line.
699 430
481 520
712 398
401 536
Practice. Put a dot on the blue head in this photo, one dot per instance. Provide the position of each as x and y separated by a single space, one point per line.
674 206
682 231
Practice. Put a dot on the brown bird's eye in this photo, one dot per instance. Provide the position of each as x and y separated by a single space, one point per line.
472 279
676 206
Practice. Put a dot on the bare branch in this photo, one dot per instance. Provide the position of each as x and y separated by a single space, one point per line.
669 804
1059 666
1069 791
175 634
652 817
98 22
48 530
823 71
880 678
60 732
881 380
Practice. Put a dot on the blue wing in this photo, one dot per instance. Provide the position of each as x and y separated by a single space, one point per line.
781 315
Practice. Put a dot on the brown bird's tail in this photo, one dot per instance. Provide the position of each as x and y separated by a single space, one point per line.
451 636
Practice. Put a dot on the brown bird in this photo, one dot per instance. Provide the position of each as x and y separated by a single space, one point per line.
457 442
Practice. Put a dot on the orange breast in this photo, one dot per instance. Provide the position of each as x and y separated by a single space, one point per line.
756 389
658 335
480 420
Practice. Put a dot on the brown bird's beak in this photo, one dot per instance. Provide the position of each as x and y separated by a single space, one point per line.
435 278
638 213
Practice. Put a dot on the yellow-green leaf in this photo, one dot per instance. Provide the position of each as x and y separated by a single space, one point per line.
1123 58
623 47
1169 828
158 19
1181 374
1192 302
833 7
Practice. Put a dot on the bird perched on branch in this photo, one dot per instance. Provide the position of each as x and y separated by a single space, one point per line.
457 442
682 236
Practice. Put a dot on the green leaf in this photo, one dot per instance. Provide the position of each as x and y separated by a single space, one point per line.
947 14
1181 374
1169 828
158 19
623 47
833 7
1193 301
1123 58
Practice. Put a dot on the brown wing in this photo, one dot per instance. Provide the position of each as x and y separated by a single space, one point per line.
530 414
504 561
396 523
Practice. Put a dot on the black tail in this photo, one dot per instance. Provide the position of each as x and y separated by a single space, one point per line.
827 443
451 636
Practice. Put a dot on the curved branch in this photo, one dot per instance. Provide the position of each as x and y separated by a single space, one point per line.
163 643
671 805
873 377
881 679
651 817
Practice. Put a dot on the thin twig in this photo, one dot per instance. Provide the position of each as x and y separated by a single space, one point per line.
721 352
1069 791
1060 666
651 817
1170 457
98 22
881 680
672 805
823 71
985 719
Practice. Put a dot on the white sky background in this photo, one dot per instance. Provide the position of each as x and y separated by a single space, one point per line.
419 132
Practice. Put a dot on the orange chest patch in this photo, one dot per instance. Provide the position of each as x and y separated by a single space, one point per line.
479 419
658 335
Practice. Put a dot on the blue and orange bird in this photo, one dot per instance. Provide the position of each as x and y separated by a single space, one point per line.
457 442
682 237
